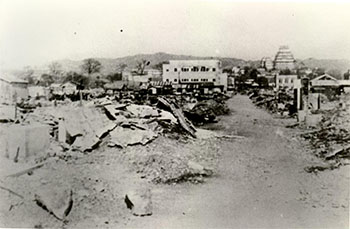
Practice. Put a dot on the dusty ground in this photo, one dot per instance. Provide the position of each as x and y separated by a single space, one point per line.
259 181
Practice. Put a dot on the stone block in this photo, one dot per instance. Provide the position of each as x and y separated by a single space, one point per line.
20 142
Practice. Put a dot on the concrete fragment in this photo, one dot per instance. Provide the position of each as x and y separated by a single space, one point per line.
184 123
126 136
56 200
313 119
301 116
30 140
7 113
87 142
113 110
198 169
167 116
139 202
142 111
62 132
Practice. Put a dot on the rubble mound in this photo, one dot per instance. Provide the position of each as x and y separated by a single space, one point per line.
331 140
280 102
168 169
206 111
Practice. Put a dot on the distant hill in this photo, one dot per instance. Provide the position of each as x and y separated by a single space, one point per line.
110 65
341 65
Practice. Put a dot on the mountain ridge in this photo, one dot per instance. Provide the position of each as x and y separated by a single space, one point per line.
110 65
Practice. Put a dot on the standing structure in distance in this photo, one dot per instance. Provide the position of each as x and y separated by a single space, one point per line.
284 59
204 73
266 63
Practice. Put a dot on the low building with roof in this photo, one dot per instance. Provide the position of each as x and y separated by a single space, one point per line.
12 89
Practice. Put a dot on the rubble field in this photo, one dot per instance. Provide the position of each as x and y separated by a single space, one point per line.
74 161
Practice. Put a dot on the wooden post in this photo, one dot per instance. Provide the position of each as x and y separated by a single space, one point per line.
81 97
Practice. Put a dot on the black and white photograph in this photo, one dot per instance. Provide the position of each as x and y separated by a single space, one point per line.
174 114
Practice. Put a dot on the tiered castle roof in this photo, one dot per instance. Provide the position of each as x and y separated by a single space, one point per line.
284 55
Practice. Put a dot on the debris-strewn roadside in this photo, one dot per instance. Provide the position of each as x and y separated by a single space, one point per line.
155 143
207 111
326 130
331 138
275 102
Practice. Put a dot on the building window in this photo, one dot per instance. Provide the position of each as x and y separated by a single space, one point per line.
167 70
214 69
195 69
175 69
214 80
175 80
280 81
203 69
286 80
291 80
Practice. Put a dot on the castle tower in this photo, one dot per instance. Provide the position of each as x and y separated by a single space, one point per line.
284 59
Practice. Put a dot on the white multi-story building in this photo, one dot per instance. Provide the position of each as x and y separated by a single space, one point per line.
184 72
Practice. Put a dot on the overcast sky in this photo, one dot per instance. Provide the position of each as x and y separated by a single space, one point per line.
33 32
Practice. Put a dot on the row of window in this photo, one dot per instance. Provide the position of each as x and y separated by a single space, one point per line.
194 80
285 81
194 69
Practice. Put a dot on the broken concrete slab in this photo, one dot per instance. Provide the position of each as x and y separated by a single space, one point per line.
167 116
142 111
126 137
7 113
113 110
139 202
85 126
312 120
56 200
87 142
19 142
198 169
178 114
103 131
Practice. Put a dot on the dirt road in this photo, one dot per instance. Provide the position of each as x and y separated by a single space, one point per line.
260 182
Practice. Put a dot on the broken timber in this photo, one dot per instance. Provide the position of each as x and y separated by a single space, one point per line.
188 127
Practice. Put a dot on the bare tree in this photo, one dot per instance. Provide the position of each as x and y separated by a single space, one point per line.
90 66
55 70
28 74
141 65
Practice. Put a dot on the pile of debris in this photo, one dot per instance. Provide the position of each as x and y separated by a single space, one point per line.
84 127
276 102
207 111
169 169
331 140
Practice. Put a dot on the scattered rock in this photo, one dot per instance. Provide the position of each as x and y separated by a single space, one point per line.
55 200
139 202
126 136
